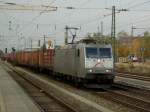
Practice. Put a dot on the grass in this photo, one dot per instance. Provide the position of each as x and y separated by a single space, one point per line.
137 68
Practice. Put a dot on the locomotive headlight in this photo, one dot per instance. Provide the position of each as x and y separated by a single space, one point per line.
108 70
90 70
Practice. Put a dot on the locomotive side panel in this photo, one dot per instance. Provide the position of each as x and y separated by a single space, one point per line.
64 61
80 62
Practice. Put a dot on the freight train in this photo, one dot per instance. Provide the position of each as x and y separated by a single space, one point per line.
81 62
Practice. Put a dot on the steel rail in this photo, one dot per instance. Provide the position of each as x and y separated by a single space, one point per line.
44 101
134 76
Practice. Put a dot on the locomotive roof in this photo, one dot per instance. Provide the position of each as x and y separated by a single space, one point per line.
75 45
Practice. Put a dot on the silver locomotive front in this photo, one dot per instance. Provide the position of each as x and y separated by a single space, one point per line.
99 63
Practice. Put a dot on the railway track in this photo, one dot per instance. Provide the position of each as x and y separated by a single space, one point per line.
44 101
134 76
129 97
140 92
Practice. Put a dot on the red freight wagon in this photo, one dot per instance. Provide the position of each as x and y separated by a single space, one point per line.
34 59
12 57
21 57
38 58
26 59
18 58
46 59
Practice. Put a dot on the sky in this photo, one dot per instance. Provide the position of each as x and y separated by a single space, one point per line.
87 16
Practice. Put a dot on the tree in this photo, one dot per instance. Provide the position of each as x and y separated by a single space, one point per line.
123 51
141 45
122 34
123 44
102 39
146 33
136 45
146 44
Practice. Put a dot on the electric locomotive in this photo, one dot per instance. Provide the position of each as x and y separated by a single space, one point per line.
86 62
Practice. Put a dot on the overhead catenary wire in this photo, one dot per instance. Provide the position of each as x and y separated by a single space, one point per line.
139 4
102 8
129 3
36 17
82 8
95 19
33 19
74 8
139 10
92 20
131 8
82 4
135 23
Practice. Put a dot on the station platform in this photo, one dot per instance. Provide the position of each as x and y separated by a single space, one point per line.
12 96
133 82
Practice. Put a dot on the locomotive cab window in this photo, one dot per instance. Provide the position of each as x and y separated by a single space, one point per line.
91 52
104 52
